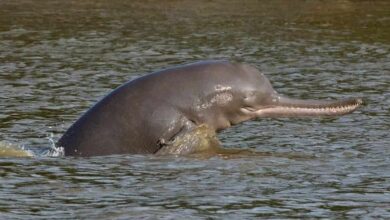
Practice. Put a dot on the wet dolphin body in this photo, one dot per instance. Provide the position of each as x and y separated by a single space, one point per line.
146 114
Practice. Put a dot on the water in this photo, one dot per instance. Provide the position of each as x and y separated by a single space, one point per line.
57 58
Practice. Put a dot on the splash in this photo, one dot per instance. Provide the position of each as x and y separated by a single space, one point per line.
8 149
52 150
199 140
13 150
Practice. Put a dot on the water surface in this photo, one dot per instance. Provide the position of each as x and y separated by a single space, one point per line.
57 58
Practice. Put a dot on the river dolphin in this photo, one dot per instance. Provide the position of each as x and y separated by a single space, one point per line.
145 115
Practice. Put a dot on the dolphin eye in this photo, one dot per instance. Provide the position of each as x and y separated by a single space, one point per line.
249 95
247 99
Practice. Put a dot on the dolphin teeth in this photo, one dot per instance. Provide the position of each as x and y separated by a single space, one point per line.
312 110
325 109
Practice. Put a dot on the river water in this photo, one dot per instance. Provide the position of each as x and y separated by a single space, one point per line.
57 58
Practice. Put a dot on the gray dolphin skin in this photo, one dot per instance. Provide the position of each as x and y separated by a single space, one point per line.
146 114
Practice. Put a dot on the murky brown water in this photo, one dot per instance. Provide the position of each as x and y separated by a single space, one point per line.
59 57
